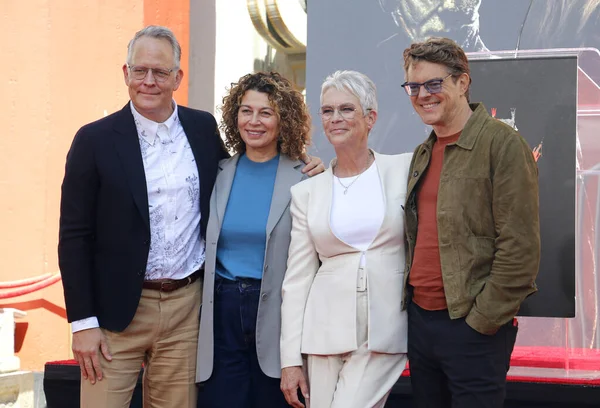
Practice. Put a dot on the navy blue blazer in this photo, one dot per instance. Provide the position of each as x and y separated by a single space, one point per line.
104 232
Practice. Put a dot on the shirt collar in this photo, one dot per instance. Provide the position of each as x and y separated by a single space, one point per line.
471 130
147 128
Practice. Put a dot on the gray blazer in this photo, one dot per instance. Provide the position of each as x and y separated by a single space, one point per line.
279 226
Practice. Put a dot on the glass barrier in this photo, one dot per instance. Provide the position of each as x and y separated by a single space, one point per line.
569 348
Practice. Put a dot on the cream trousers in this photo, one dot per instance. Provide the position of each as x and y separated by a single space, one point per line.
360 379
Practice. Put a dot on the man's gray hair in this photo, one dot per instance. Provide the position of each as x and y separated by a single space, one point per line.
159 32
357 84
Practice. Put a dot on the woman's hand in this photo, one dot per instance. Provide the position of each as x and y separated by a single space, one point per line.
314 165
291 379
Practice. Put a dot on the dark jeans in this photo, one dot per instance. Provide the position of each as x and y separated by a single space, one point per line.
452 365
237 380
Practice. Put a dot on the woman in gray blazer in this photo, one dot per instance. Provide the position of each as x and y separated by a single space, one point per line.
267 124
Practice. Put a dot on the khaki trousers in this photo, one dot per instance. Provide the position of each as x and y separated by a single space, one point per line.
164 336
360 379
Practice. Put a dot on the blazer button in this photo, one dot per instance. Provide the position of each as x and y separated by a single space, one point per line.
266 268
146 242
415 174
263 297
141 272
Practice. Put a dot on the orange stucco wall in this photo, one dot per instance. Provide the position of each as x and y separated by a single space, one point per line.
61 68
174 14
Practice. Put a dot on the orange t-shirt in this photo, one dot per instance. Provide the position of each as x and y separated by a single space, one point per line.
426 271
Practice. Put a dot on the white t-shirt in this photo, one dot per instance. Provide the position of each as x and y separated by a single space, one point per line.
357 215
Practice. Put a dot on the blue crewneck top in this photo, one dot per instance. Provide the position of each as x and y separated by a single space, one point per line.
243 237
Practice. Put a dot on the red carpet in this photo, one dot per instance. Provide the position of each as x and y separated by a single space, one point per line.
531 357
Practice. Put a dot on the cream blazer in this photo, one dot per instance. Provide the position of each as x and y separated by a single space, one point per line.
318 308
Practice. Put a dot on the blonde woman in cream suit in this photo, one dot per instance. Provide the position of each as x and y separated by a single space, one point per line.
344 284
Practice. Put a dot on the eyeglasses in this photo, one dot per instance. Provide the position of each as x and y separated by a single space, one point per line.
432 86
139 72
347 112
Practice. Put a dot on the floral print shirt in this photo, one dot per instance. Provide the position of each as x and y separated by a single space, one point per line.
172 181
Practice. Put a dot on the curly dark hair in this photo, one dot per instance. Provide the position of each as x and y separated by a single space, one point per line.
289 106
439 50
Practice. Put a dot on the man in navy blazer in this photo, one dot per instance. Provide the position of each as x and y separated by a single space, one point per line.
133 214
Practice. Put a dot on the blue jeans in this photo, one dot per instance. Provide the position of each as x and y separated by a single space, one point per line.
237 380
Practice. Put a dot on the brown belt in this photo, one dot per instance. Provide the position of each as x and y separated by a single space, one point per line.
169 285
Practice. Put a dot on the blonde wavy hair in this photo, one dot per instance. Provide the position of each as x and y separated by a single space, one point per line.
289 106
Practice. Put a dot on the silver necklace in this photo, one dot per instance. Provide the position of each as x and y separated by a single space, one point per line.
346 187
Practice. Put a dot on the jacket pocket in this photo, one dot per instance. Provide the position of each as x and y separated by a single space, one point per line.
479 261
387 320
327 271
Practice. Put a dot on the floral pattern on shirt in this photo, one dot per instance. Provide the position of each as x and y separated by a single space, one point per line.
173 185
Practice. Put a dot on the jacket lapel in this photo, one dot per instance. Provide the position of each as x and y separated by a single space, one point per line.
128 148
288 174
223 185
419 165
389 184
194 141
326 195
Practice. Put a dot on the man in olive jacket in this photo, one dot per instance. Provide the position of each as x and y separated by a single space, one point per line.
472 226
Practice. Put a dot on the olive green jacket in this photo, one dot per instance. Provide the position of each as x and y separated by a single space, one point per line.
488 220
